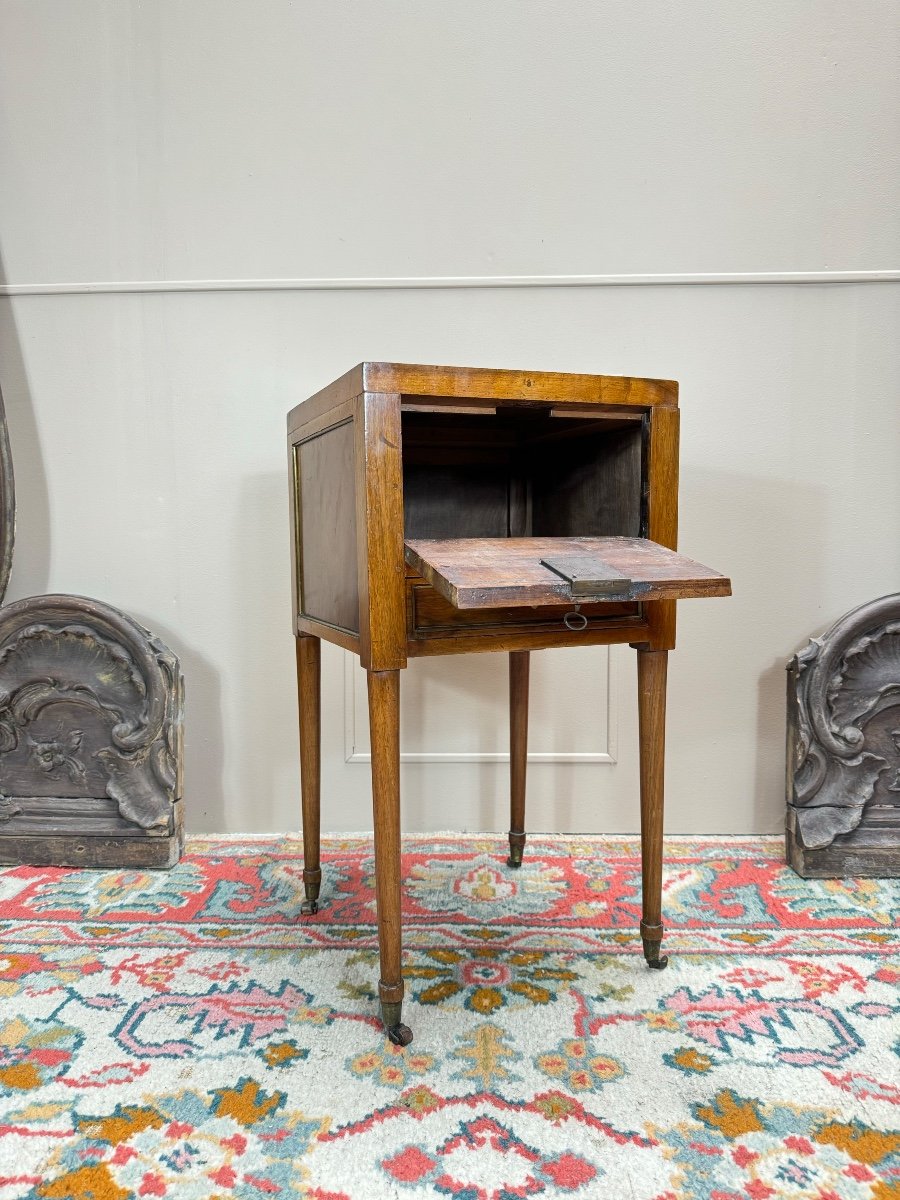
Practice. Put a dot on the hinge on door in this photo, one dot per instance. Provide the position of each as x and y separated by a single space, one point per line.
589 576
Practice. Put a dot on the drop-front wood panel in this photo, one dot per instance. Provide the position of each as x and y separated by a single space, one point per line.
486 572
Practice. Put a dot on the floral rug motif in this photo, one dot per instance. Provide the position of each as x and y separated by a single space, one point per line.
188 1034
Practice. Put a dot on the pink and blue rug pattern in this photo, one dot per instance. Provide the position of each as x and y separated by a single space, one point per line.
188 1034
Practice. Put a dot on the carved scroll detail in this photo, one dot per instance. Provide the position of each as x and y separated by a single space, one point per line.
72 652
836 686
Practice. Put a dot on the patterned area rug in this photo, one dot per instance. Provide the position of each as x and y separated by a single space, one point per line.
187 1034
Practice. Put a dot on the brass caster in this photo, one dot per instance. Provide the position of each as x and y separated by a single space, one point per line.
398 1033
655 960
516 849
309 907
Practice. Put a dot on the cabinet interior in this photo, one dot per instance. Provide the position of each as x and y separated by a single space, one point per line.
521 471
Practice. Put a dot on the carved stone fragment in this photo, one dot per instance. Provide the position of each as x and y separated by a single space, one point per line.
90 737
843 747
91 715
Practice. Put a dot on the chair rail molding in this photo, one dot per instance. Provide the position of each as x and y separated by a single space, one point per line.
412 282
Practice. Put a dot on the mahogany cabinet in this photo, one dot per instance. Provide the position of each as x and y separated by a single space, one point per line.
452 510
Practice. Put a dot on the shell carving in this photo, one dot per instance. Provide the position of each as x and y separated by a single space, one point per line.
836 686
90 704
869 677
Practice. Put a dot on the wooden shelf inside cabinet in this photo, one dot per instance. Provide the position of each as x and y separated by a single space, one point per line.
442 510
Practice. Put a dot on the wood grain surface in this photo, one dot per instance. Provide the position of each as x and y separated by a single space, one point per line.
379 521
487 572
446 384
537 386
326 551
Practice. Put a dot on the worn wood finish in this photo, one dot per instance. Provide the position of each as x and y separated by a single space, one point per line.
536 387
662 511
524 636
519 661
91 715
334 417
327 399
488 572
430 615
484 473
444 387
384 726
843 747
379 516
309 689
328 633
652 666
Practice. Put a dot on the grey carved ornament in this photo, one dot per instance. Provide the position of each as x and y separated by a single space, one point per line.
843 747
91 719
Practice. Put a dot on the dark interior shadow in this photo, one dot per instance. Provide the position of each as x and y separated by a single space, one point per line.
31 564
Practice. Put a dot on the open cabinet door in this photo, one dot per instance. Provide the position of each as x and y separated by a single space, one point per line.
536 571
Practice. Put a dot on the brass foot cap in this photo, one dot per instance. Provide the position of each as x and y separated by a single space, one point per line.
651 952
657 961
516 849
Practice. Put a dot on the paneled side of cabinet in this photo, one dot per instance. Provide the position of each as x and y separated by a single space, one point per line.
323 476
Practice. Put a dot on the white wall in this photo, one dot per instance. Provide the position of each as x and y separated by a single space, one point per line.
224 144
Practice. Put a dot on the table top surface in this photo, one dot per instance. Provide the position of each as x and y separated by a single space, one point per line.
502 385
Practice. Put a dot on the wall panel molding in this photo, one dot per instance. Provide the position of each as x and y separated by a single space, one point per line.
354 678
390 282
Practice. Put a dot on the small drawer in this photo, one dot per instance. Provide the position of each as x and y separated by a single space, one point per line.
429 615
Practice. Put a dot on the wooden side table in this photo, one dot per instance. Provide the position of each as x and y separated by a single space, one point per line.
450 510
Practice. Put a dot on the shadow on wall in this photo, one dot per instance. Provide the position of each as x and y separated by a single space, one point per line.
794 599
264 670
770 737
31 577
31 565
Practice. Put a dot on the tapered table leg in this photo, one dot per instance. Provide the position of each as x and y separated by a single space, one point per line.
518 752
384 725
309 693
652 732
